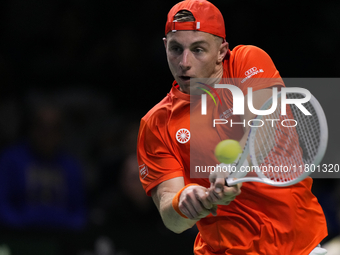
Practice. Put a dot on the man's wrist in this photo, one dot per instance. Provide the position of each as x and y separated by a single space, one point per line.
175 200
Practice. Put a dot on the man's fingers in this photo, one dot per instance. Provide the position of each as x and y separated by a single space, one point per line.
195 204
226 195
198 202
216 192
219 185
212 178
196 207
205 201
232 190
213 210
185 209
220 174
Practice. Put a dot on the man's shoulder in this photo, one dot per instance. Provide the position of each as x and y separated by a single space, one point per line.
245 50
242 55
159 111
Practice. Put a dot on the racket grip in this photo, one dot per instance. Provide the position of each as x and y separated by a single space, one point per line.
226 183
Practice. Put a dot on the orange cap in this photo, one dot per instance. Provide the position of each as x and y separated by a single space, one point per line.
207 18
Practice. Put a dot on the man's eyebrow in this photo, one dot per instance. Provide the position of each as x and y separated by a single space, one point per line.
200 42
174 42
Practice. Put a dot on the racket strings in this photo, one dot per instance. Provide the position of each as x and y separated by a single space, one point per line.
283 148
308 130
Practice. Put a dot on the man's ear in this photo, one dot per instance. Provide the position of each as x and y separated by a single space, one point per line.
224 47
165 42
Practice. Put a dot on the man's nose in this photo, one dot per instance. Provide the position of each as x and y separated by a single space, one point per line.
185 63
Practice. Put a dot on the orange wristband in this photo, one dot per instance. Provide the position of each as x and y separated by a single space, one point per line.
175 200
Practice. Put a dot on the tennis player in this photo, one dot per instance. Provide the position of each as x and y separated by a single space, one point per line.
261 219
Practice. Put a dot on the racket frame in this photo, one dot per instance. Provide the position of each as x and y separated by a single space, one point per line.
238 176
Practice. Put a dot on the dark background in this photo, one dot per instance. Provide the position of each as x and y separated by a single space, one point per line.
104 64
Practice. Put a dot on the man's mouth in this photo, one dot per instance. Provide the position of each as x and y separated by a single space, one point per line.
185 78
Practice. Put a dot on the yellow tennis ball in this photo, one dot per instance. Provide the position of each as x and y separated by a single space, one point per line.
227 151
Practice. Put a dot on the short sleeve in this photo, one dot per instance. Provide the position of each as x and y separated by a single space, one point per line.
157 163
253 67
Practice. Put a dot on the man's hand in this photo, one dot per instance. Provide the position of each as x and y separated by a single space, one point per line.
194 203
219 193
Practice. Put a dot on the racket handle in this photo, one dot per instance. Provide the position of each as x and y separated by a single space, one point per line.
226 183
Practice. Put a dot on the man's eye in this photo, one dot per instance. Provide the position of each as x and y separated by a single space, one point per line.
175 49
198 50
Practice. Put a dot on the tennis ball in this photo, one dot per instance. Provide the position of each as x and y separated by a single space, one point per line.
227 151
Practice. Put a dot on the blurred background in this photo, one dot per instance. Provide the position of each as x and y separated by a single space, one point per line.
77 76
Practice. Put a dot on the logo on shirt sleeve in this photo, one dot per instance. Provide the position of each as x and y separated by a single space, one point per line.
143 170
251 72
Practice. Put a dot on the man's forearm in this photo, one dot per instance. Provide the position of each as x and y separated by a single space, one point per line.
192 202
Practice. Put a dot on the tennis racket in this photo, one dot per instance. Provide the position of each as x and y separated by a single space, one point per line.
284 149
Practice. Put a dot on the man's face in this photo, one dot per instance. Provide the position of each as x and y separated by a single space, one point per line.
194 54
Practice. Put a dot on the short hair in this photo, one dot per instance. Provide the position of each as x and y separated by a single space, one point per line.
185 16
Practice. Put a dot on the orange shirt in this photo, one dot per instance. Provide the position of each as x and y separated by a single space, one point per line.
262 219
